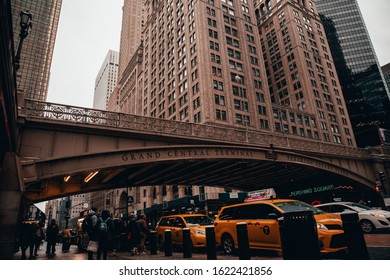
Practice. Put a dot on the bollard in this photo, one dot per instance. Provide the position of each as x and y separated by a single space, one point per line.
153 242
354 236
211 246
299 237
243 241
187 243
168 243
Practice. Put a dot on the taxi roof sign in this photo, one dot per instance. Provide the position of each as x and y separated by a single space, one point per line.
260 195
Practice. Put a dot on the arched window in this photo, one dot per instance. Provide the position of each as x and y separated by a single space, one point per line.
268 3
154 192
262 9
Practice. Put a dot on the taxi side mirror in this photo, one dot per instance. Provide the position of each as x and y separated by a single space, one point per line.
272 216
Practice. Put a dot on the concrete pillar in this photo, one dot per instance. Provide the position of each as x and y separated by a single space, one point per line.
10 200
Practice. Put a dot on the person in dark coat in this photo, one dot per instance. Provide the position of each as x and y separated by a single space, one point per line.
37 237
25 238
51 237
89 228
104 234
133 233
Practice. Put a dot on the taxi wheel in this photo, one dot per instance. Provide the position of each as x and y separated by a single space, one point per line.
367 226
227 244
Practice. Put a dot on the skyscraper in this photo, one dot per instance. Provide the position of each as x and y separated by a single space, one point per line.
131 34
105 81
363 85
38 47
287 84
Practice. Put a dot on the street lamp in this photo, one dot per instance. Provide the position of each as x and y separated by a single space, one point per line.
25 26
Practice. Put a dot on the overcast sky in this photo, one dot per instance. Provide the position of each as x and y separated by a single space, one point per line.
88 29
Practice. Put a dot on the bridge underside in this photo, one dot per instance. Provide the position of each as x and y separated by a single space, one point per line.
243 174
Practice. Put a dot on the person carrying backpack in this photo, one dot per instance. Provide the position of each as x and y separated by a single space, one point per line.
105 230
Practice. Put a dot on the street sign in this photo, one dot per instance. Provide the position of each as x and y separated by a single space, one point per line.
130 199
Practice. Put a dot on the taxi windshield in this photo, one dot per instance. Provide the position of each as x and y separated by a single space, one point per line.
198 221
292 206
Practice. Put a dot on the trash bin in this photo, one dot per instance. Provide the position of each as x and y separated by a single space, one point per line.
299 237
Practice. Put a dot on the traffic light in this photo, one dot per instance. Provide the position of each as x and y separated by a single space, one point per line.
382 176
378 188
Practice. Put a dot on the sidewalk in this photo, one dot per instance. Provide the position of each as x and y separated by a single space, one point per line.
378 246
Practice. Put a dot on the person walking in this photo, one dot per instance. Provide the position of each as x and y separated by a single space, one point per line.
36 239
133 234
51 237
25 238
105 229
88 227
143 231
66 238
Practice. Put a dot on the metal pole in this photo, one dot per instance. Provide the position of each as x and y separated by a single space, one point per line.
153 242
243 241
168 243
210 243
357 249
187 244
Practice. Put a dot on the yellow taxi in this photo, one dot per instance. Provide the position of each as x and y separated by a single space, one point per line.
263 228
176 223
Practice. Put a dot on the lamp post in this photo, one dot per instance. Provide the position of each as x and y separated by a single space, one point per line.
25 26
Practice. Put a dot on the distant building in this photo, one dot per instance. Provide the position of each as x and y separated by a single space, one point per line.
106 80
386 74
305 91
131 34
363 85
36 56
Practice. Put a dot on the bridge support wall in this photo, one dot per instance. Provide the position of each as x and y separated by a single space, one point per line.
10 200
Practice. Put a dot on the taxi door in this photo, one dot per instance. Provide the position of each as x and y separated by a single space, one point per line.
177 231
266 227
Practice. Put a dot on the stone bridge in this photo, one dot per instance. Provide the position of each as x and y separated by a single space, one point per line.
59 146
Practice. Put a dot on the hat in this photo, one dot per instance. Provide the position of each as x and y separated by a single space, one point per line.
91 212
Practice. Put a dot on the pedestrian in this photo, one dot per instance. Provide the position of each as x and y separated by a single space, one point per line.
143 231
66 238
36 238
105 229
119 229
51 237
88 227
133 234
25 238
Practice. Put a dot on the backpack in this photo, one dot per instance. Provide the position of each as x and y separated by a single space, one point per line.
103 228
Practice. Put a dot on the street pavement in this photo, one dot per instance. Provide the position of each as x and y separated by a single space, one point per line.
378 247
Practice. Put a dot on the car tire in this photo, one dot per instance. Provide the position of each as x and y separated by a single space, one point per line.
367 226
227 243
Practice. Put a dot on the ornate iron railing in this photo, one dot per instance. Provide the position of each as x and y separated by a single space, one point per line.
148 125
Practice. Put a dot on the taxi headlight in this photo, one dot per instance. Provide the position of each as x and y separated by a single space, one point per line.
199 232
321 226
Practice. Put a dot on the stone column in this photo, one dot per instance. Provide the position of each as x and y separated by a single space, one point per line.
10 200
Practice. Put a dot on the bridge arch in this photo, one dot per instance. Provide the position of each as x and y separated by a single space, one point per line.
241 167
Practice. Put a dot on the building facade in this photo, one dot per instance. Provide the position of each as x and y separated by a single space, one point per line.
225 76
261 65
131 34
106 80
304 88
386 74
360 75
36 56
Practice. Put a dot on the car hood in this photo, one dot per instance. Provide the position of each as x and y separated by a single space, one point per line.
328 218
198 228
374 211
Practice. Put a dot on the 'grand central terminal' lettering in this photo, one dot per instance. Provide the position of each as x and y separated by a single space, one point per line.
201 153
